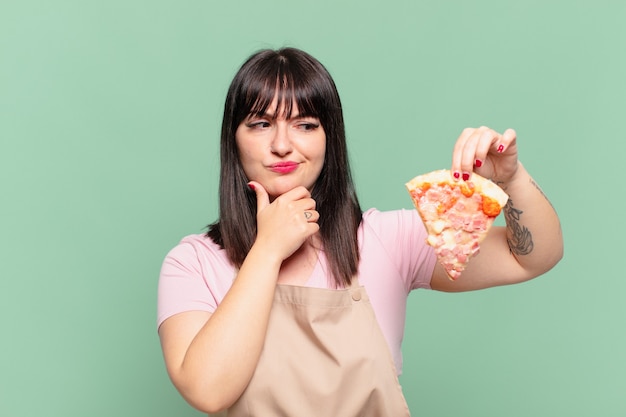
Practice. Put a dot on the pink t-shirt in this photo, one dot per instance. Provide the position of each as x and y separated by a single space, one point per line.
196 274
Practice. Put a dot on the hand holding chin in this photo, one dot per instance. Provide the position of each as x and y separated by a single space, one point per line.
285 223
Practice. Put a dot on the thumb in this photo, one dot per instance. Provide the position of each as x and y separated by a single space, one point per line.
262 198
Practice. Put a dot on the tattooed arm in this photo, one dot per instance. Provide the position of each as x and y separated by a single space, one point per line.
521 239
529 245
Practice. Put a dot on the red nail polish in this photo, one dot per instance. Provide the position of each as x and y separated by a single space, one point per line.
501 148
465 176
456 175
478 163
251 186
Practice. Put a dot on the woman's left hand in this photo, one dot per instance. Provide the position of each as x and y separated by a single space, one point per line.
486 152
531 242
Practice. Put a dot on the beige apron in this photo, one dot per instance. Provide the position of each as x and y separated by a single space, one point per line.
324 356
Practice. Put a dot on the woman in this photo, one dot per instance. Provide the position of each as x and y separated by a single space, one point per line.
294 302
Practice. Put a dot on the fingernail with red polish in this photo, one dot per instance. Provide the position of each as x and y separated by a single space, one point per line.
456 175
465 176
501 148
478 163
251 186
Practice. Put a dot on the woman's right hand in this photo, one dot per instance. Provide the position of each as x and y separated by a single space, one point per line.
285 223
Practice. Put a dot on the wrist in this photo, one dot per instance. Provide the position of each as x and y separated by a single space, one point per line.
264 254
519 176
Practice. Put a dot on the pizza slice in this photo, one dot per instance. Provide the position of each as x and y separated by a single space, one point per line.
457 214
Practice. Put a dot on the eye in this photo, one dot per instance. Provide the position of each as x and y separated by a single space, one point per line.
258 124
308 126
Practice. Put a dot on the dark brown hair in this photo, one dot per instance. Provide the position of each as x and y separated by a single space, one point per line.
294 77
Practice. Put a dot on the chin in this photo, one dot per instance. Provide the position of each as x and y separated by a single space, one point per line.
275 192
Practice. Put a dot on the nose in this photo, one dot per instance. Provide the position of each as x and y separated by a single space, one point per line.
281 142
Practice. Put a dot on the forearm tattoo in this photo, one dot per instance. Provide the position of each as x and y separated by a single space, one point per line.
519 238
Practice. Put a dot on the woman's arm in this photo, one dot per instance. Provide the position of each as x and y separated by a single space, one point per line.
531 243
211 357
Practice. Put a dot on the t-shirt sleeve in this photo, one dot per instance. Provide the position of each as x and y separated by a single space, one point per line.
404 236
182 286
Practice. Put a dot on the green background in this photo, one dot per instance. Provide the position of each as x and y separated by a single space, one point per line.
109 123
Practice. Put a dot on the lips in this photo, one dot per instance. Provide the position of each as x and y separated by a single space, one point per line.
283 167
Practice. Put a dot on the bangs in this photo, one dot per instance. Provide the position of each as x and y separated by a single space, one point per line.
286 87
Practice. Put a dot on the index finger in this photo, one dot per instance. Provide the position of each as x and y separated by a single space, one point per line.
296 193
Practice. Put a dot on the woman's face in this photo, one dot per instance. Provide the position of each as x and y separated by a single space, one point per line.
281 153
